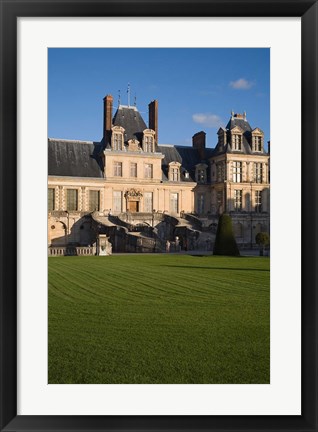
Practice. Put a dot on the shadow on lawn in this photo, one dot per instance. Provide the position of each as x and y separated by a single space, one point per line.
216 268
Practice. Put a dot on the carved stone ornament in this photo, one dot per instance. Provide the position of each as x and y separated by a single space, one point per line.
133 193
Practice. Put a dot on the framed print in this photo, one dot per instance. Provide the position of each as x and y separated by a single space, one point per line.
130 192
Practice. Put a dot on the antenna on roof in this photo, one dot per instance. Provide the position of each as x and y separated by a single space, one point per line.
128 93
118 98
135 100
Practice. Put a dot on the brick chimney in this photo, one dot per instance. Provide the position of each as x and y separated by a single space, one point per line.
198 142
153 118
108 116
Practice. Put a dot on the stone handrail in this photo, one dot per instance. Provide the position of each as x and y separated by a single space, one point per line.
72 250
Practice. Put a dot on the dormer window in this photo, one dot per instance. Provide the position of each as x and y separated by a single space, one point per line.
200 173
257 140
236 142
257 143
117 141
148 141
174 171
221 138
117 138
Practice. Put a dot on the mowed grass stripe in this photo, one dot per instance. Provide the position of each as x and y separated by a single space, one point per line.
158 319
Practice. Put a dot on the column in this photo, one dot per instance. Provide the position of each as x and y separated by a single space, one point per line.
57 198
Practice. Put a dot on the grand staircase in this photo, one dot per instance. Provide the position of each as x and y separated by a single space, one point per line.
151 232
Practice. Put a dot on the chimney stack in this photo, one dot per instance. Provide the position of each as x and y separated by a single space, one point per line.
108 117
198 142
153 118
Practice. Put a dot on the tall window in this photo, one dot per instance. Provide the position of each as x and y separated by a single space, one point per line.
117 141
219 199
220 171
237 142
148 205
200 173
94 200
72 199
221 139
237 172
258 201
148 145
175 174
258 172
51 199
258 143
201 202
174 198
237 200
117 201
118 169
148 171
174 171
133 169
201 176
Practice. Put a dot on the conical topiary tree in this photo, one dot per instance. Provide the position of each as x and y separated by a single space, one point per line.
262 239
225 243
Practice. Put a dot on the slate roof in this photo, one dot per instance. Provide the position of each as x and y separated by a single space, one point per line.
187 156
130 119
74 158
245 126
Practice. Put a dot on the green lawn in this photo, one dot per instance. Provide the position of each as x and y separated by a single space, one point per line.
159 319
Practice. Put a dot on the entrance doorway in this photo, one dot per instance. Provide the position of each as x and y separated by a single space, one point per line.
133 206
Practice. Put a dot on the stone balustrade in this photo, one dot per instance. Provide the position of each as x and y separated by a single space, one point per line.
73 250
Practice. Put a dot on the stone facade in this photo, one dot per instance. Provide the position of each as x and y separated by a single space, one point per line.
128 174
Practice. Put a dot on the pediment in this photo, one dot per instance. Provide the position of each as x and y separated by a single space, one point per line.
133 145
175 163
257 131
237 129
201 166
118 129
221 131
148 132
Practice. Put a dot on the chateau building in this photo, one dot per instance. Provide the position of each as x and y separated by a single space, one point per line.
143 196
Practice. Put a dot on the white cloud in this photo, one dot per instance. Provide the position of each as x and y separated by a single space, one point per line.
241 84
207 119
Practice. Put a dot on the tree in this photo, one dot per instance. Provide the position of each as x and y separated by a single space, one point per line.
225 243
262 239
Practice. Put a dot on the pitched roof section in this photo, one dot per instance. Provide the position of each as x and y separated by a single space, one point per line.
243 124
130 119
237 120
74 158
188 157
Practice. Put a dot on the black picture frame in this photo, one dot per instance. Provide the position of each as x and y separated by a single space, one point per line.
10 10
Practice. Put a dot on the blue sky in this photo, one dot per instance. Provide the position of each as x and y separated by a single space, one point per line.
196 89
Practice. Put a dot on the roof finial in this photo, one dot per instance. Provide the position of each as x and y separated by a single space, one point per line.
118 98
128 93
232 114
135 100
244 115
